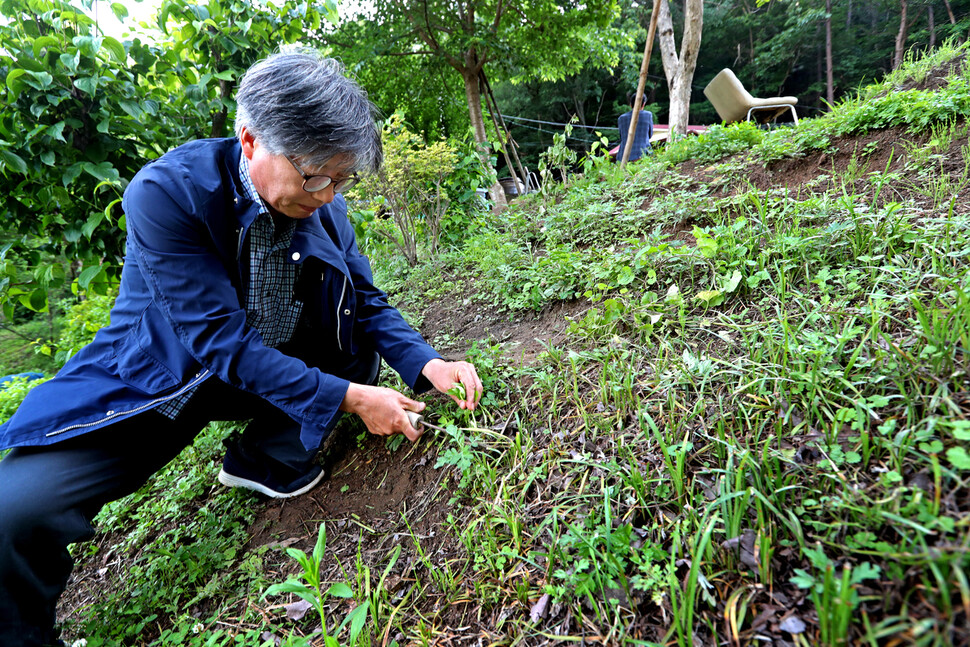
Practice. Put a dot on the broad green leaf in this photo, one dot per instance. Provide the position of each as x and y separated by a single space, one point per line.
710 297
732 283
13 84
225 75
102 171
70 61
92 223
120 11
131 107
13 161
958 457
289 586
340 590
116 49
37 301
57 131
71 173
39 80
87 84
87 275
41 43
47 157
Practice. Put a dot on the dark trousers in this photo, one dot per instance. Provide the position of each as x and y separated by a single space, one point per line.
50 495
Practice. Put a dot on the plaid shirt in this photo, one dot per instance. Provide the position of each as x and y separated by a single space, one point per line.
271 307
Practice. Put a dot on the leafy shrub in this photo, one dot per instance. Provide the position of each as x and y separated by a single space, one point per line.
426 189
13 393
82 320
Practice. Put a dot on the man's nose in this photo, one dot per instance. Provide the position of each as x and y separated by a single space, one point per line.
324 195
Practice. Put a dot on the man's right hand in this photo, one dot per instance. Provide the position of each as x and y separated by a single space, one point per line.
383 410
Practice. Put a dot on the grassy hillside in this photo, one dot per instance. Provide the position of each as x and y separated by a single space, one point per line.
726 404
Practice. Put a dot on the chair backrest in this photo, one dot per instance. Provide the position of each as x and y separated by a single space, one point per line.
728 96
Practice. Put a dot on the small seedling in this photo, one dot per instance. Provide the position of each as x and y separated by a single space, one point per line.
309 588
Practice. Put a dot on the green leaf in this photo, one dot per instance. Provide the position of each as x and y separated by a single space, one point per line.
92 223
340 590
958 458
47 157
70 61
87 84
733 282
321 546
88 275
13 84
41 80
102 171
36 301
13 161
116 49
41 43
289 586
71 173
120 11
133 108
226 75
710 297
356 618
57 131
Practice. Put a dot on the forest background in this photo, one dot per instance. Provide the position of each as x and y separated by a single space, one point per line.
84 110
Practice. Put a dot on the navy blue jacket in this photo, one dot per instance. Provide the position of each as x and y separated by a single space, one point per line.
179 316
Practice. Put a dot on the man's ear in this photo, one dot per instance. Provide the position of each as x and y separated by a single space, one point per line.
248 142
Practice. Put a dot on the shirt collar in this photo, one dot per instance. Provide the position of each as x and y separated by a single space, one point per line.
248 187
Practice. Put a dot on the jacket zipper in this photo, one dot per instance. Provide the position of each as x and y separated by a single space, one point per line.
340 305
148 405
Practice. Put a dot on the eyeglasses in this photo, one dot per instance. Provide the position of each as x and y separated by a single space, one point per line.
314 183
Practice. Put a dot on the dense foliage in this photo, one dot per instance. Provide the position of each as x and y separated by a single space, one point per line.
85 111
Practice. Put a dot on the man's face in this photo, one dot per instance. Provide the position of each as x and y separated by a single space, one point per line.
280 185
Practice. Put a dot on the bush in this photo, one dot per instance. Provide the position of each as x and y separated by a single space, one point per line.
428 190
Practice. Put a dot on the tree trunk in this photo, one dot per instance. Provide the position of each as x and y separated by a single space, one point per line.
901 35
829 83
679 70
949 11
473 94
932 26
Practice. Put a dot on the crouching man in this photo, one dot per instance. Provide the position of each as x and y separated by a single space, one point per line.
243 296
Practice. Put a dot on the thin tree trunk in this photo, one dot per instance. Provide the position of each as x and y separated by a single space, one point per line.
901 35
829 83
473 95
949 11
932 26
680 69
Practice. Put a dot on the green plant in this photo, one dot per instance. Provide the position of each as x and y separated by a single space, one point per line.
411 187
835 595
309 587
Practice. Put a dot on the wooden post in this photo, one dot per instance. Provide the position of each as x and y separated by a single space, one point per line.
638 102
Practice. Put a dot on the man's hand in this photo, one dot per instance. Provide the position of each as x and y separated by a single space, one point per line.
445 375
383 410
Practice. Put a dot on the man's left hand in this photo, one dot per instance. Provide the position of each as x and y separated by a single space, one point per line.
445 375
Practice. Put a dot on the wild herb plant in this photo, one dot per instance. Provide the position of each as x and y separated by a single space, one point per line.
309 587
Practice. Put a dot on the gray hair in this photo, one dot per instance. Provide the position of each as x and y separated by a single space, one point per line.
300 103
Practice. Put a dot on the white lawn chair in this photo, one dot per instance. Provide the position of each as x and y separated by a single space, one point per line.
734 103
